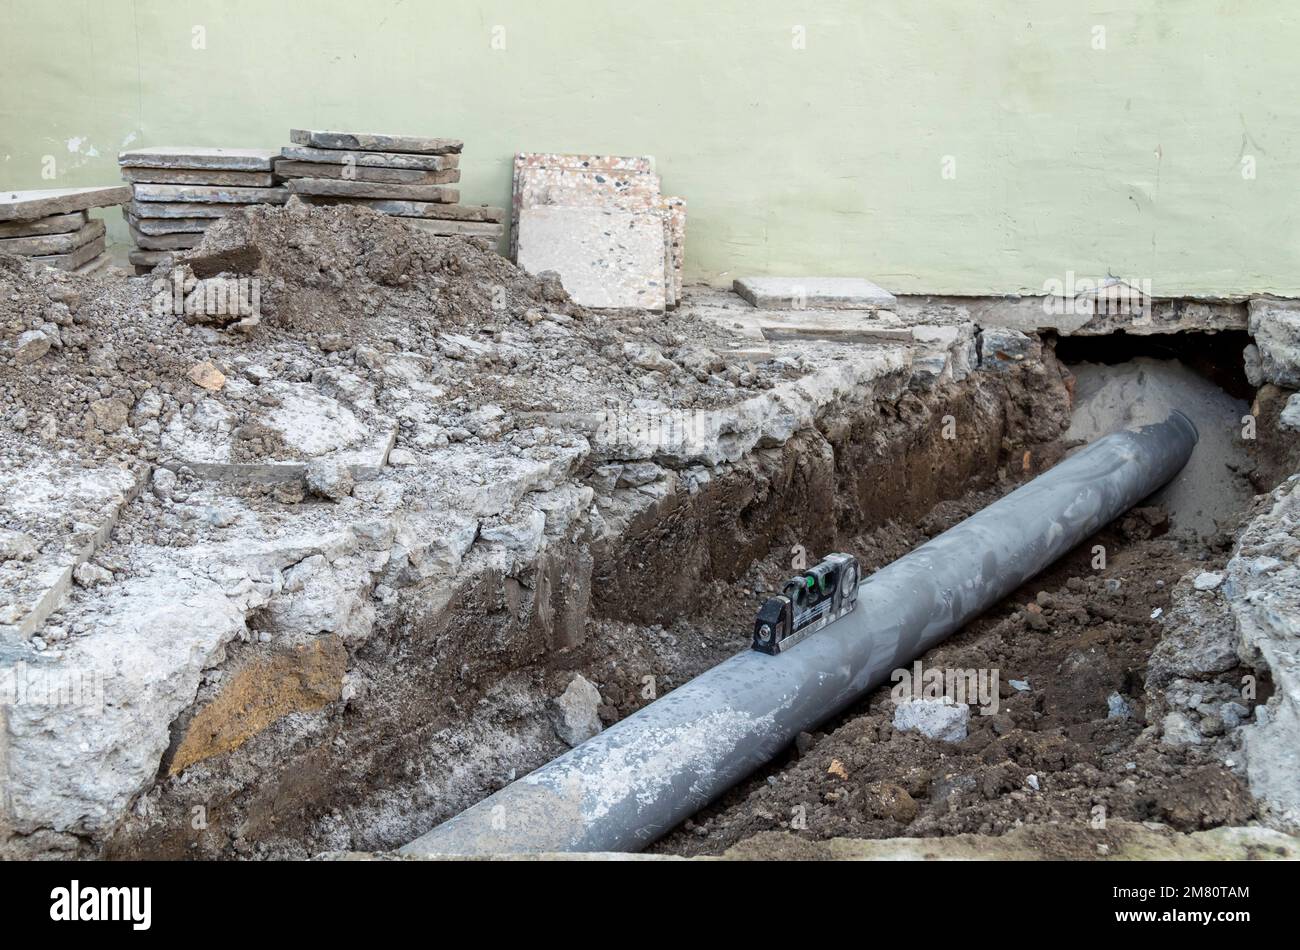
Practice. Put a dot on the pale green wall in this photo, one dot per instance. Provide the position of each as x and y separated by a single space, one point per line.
820 161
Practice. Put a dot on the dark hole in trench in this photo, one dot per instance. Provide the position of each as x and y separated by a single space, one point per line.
1215 356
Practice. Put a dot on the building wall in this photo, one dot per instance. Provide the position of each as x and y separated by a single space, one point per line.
944 146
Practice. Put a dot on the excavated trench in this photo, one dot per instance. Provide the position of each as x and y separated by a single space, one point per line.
455 692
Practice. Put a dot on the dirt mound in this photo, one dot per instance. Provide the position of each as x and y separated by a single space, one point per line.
327 267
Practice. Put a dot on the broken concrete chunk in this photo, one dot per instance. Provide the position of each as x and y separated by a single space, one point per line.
1002 348
1275 327
1207 581
205 374
934 718
32 345
574 713
329 478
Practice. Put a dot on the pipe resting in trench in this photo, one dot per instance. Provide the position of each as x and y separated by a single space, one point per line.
623 788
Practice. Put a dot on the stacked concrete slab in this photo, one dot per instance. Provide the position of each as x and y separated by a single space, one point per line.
407 176
179 191
602 223
54 226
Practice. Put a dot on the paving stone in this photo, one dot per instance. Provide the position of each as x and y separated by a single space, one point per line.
74 259
449 228
178 241
198 176
372 189
375 142
181 209
149 259
815 293
210 194
54 224
53 243
391 160
416 209
193 157
103 262
156 226
44 202
360 173
604 258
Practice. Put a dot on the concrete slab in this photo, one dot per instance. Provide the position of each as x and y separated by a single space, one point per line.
53 243
393 176
44 202
604 258
210 194
95 265
375 142
54 224
451 228
76 258
66 512
326 187
193 157
391 160
158 226
149 259
181 209
178 241
816 293
416 209
830 325
196 176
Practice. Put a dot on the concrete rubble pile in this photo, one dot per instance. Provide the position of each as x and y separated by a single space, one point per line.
211 526
54 226
177 192
406 176
602 224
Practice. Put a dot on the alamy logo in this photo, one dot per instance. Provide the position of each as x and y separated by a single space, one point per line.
977 688
134 904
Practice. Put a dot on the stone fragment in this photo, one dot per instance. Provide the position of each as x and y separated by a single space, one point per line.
329 478
327 156
375 142
1275 327
210 194
814 293
363 173
205 374
54 224
32 345
328 187
934 718
1290 416
44 202
193 157
91 575
888 800
110 414
574 713
604 258
53 243
1207 581
1179 731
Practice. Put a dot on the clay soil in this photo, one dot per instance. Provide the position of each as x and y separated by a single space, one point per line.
1051 752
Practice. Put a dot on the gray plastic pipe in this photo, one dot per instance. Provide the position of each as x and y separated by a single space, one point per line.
622 789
